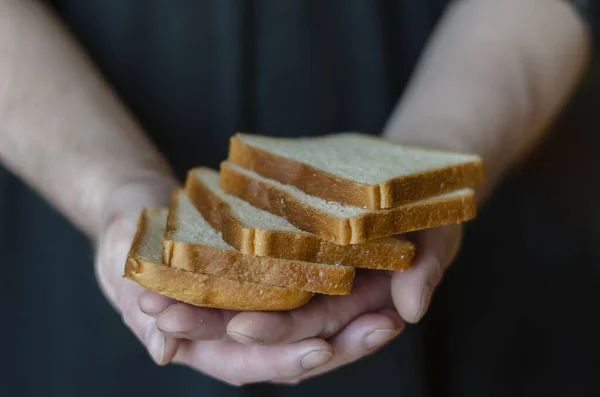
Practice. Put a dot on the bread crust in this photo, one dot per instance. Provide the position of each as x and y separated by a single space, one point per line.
345 231
204 290
306 276
392 254
389 194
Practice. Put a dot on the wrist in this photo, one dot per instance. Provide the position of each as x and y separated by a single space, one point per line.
130 195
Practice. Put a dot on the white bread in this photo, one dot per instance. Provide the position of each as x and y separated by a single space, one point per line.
355 169
191 244
144 266
339 223
256 232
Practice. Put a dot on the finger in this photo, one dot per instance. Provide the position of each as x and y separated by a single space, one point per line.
362 337
153 303
189 322
161 347
322 317
412 290
239 364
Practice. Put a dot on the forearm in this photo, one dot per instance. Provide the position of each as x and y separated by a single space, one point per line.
61 128
493 78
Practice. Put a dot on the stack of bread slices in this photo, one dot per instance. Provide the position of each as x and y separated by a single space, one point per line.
287 218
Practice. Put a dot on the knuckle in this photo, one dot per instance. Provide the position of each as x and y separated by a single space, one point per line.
332 323
330 329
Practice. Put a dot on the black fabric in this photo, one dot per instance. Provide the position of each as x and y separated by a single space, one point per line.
193 72
517 313
589 10
513 317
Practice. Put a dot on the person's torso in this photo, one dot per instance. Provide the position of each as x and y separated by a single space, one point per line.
195 72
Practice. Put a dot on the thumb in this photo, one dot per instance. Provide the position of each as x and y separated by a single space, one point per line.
412 290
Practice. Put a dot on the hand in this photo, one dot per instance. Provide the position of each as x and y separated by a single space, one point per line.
114 240
255 347
213 351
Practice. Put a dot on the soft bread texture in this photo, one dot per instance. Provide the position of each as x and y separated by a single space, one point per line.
339 223
191 244
356 169
144 266
253 231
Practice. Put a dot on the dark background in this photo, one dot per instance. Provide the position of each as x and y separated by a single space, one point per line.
516 315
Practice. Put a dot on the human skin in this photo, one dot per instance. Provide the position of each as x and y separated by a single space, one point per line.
494 75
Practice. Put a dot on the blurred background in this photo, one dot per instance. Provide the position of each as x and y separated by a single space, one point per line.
517 313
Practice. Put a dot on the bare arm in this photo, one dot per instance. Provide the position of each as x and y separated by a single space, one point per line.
495 72
493 78
65 133
62 129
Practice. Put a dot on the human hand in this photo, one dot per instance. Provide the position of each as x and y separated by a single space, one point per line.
120 215
212 351
253 347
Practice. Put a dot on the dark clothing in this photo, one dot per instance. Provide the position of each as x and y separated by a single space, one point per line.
515 315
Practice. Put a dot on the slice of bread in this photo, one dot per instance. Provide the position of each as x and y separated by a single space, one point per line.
191 244
144 266
339 223
356 169
253 231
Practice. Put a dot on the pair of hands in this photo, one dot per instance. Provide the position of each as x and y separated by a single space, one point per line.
281 347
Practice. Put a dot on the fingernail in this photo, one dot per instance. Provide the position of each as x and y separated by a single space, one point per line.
156 343
379 337
244 339
425 298
315 359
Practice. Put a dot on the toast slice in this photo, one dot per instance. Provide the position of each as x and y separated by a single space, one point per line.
356 169
144 266
343 224
253 231
191 244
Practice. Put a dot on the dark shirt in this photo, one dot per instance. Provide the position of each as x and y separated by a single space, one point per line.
512 317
